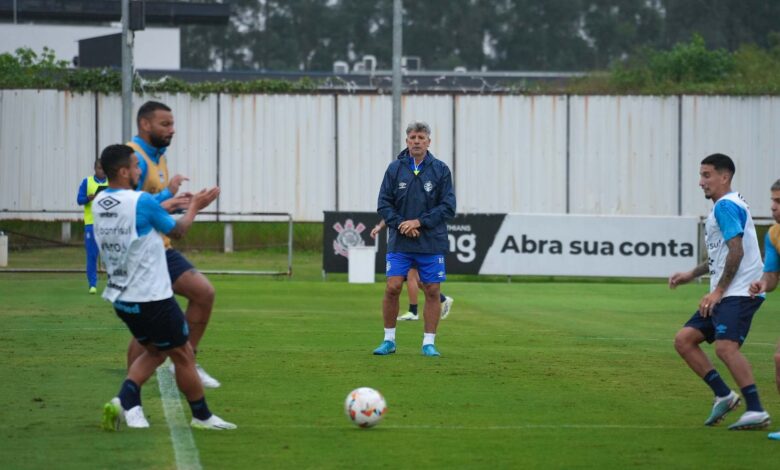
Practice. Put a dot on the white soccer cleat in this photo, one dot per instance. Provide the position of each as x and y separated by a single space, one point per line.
208 381
134 418
446 306
214 422
408 316
752 420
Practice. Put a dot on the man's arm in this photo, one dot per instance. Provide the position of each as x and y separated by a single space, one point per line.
733 259
81 198
386 201
682 278
198 202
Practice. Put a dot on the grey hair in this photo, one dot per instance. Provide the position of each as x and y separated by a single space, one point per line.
418 126
775 186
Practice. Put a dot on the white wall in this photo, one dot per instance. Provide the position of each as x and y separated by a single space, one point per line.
305 154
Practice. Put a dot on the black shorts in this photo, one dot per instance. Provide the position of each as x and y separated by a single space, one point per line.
177 264
730 319
160 323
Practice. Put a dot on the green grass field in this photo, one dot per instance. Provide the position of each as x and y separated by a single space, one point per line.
532 375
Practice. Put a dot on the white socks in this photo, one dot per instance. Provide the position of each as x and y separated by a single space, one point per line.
390 334
428 338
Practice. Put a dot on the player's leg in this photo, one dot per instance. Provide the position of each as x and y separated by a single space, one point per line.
140 320
90 246
432 273
733 316
200 293
687 342
196 288
776 435
413 288
398 265
189 383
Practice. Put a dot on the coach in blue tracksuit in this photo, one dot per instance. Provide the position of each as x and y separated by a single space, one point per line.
416 200
89 188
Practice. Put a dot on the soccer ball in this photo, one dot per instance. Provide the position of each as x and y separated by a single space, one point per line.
365 407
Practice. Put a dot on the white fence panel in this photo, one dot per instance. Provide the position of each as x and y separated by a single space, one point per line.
746 129
277 154
511 154
623 155
47 146
365 141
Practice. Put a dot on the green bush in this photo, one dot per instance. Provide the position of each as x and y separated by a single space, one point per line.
25 69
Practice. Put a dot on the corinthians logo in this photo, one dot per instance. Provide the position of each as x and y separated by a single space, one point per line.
348 235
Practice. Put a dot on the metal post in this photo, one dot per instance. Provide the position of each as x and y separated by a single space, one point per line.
14 11
228 238
127 72
397 51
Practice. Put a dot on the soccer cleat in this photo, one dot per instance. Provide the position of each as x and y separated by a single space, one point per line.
112 415
775 436
751 420
408 316
214 422
208 381
430 350
446 306
93 290
387 347
134 418
721 407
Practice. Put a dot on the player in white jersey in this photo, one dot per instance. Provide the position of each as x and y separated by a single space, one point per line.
128 224
725 313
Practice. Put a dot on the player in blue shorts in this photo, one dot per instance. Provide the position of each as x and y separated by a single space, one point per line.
771 275
127 225
725 313
416 200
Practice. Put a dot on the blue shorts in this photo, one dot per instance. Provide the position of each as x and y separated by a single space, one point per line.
160 323
430 267
177 264
730 319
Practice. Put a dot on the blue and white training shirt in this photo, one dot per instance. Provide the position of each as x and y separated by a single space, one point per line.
730 217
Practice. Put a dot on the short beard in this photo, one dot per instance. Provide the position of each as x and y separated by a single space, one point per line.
158 142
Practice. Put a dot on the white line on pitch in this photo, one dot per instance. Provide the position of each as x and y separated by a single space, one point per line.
485 428
184 448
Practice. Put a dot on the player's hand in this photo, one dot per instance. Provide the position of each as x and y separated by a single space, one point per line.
413 233
407 225
177 203
203 198
756 288
680 278
175 183
708 302
375 231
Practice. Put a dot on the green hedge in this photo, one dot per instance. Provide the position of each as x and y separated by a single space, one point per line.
26 69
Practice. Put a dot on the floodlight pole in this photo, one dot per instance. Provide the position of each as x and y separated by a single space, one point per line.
127 72
397 52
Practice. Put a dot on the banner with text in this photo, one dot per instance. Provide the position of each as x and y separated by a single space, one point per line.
585 245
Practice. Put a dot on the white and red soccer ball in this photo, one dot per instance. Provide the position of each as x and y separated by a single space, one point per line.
365 407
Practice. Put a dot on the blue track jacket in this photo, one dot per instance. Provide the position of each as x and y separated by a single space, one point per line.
427 196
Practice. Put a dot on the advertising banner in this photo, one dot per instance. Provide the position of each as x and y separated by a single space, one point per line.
585 245
536 244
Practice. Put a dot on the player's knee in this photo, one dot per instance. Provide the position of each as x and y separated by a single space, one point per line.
683 342
725 350
393 289
182 355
